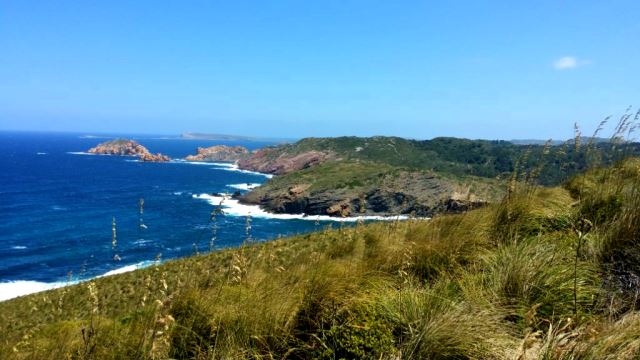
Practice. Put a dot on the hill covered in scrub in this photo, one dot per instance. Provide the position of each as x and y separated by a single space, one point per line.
347 176
448 155
547 273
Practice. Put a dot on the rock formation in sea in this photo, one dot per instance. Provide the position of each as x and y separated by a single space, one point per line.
126 147
149 157
220 153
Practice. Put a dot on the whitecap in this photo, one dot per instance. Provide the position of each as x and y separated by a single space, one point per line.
128 268
233 207
182 161
41 153
14 289
234 167
222 166
80 153
246 186
142 241
18 247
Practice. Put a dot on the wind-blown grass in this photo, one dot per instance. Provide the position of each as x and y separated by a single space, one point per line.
502 282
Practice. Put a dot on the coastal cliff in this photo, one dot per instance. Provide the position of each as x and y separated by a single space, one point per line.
125 147
350 189
220 153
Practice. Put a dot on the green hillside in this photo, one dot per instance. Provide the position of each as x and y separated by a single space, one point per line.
548 273
460 157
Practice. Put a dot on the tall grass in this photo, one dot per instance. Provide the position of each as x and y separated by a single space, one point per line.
525 278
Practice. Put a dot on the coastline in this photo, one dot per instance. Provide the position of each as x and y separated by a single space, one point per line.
14 289
232 207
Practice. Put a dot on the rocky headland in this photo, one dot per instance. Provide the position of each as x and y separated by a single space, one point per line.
126 147
220 153
346 189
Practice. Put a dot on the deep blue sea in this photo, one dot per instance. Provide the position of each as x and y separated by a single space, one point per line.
57 206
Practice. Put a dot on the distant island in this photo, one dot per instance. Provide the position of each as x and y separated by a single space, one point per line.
126 147
224 137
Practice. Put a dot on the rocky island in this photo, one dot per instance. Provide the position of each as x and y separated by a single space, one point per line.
126 147
219 153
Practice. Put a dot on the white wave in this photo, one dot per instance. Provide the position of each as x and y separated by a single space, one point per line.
177 193
222 166
182 161
234 167
14 289
128 268
142 241
18 247
80 153
247 186
41 153
233 207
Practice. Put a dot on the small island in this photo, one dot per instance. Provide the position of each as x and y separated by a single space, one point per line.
126 147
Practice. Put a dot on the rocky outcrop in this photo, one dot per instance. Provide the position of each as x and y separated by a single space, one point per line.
125 147
220 153
407 193
149 157
271 161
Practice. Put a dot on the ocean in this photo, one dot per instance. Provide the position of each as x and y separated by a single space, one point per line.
58 205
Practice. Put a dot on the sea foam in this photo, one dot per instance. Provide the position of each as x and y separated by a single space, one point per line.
247 186
14 289
233 207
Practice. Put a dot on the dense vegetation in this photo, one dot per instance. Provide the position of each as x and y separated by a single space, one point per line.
548 273
469 157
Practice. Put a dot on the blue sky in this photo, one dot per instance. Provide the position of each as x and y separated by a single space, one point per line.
420 69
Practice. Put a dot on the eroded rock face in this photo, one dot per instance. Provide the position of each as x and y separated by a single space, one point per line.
125 147
421 195
220 153
265 161
154 157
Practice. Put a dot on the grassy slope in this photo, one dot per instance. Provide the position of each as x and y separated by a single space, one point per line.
493 283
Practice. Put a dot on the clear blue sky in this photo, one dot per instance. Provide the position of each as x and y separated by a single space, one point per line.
477 69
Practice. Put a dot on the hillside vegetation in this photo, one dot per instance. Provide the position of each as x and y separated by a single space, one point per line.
347 176
461 157
548 273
